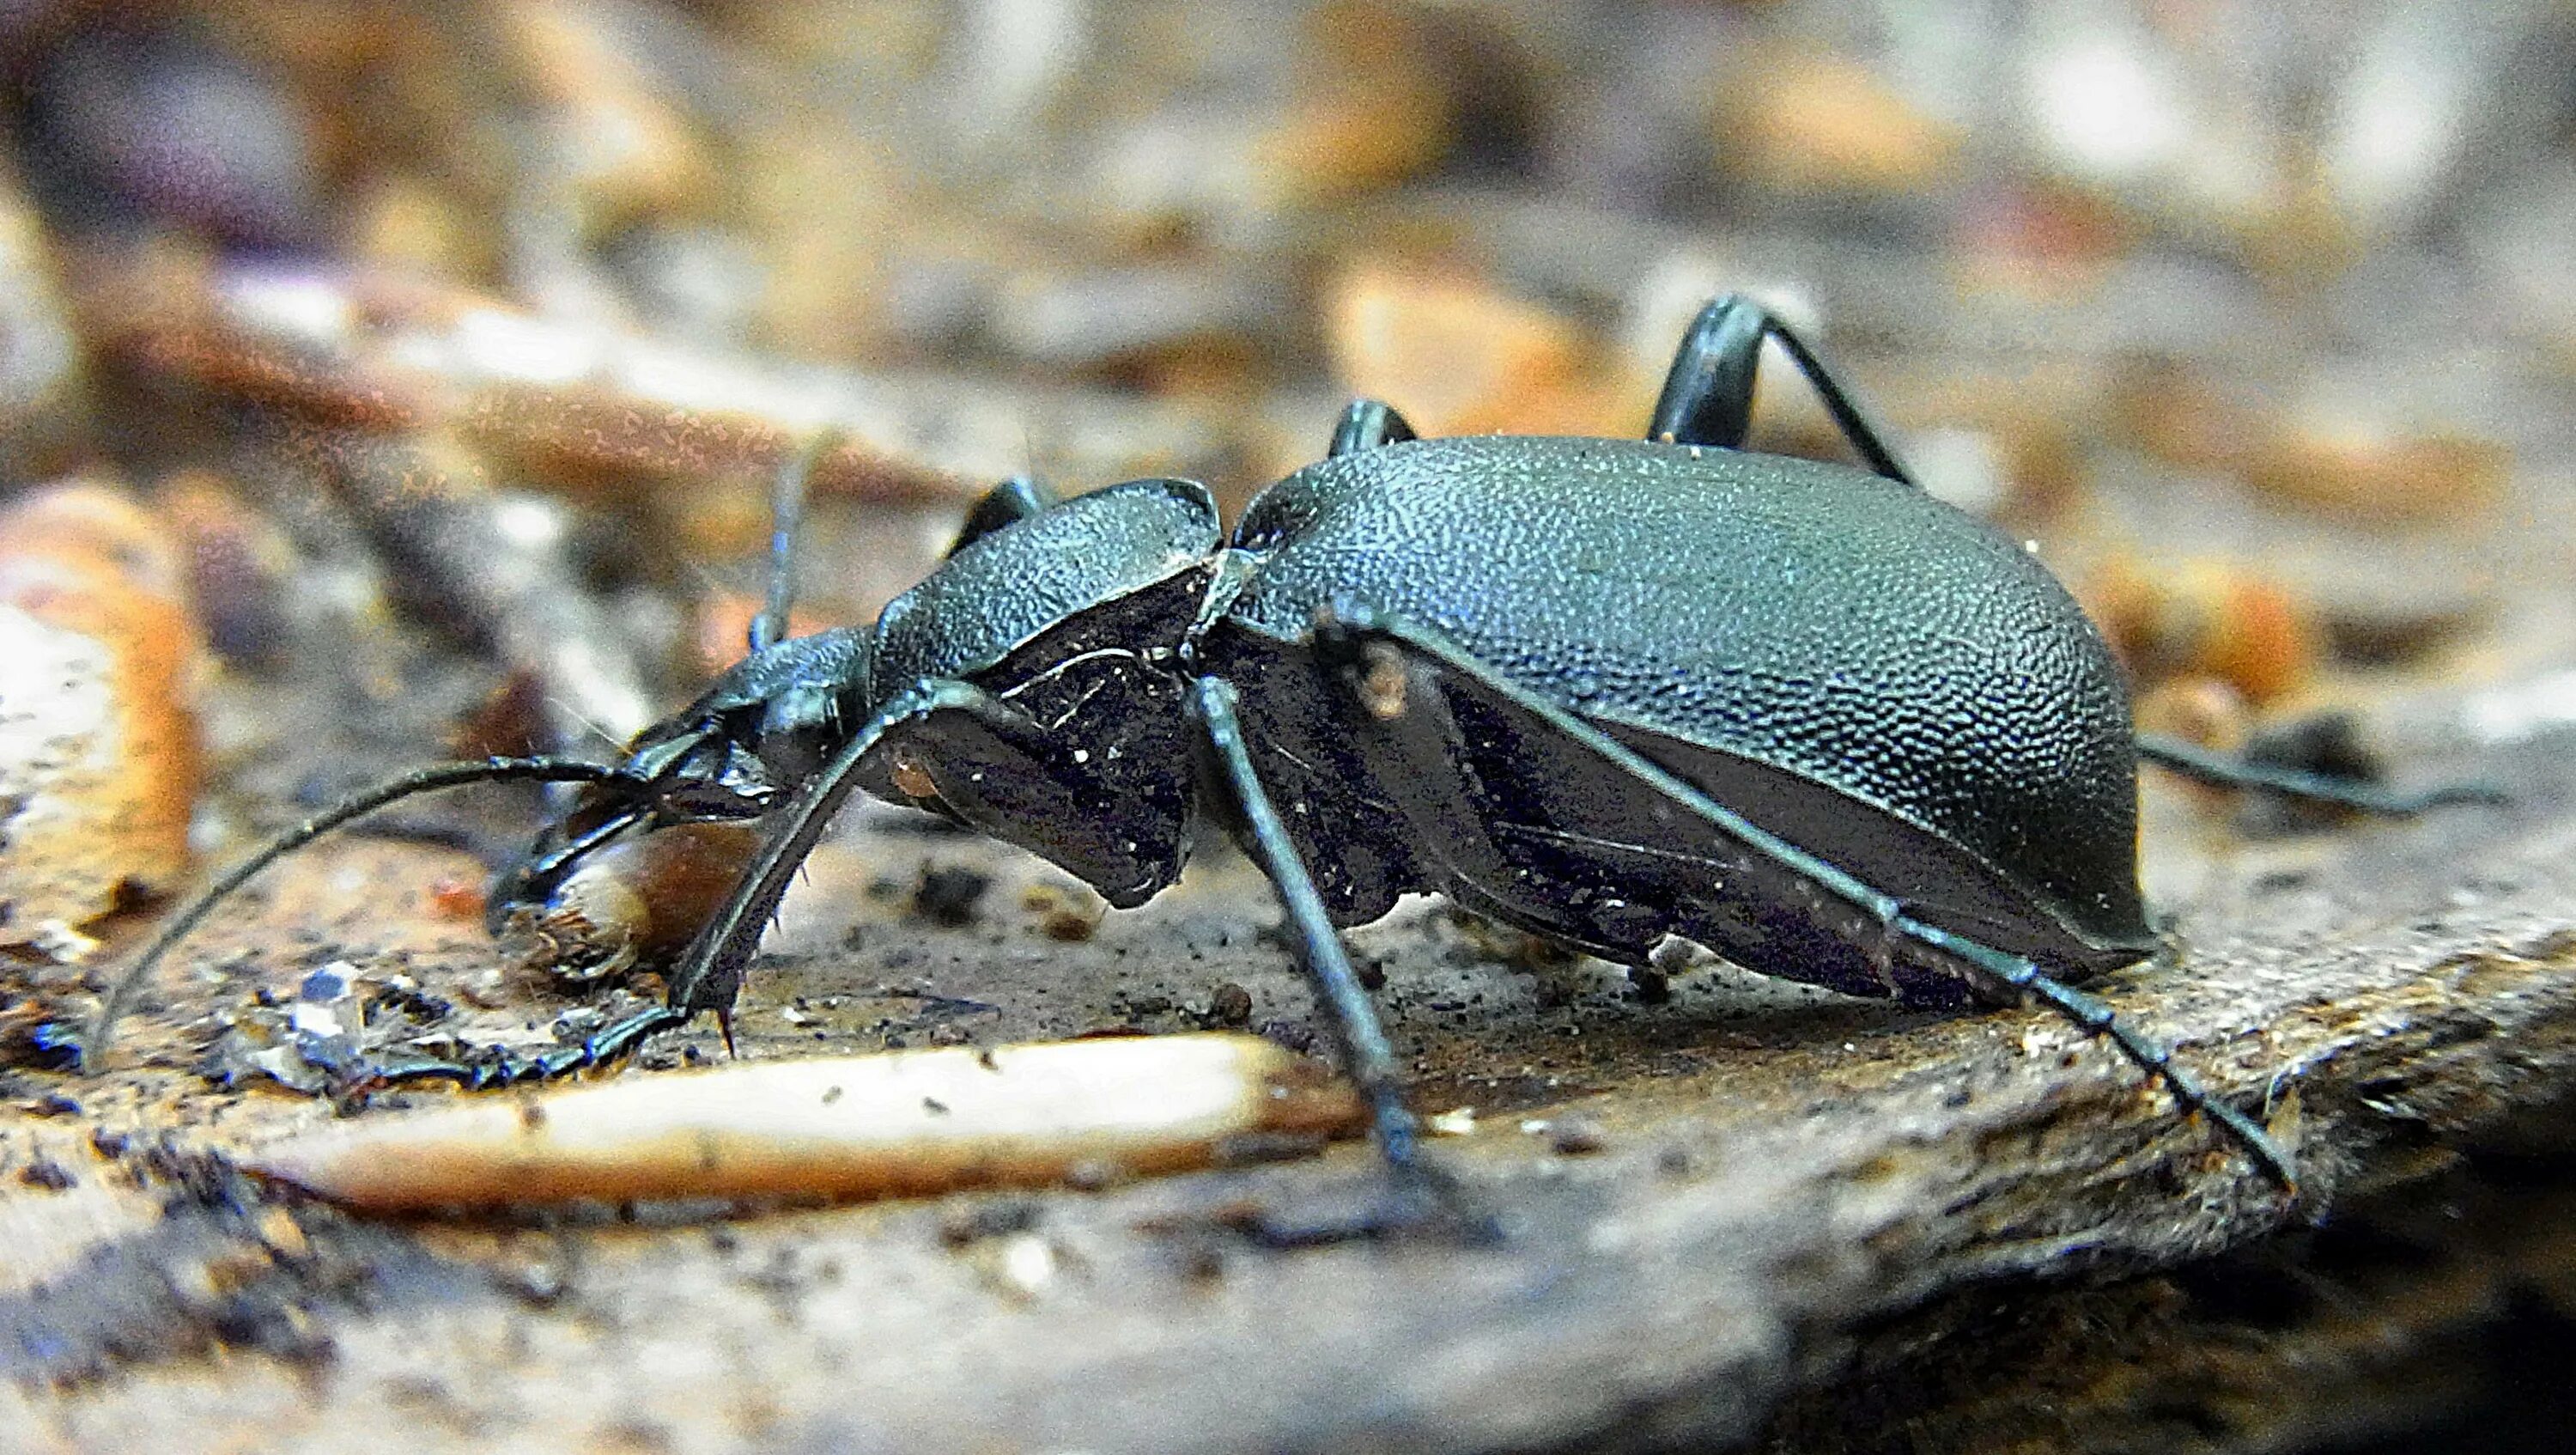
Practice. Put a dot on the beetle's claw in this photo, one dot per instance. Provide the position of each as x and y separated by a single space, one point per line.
1411 1200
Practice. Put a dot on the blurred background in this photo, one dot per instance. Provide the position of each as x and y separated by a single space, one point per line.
380 382
2246 312
2211 299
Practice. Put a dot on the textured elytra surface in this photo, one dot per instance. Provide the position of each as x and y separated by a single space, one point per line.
1796 615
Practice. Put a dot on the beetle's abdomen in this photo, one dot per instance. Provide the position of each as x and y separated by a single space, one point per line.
1813 623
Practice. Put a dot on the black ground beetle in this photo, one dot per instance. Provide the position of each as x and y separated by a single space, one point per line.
1604 690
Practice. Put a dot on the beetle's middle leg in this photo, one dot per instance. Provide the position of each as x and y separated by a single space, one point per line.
1424 1194
1708 396
1370 1060
708 977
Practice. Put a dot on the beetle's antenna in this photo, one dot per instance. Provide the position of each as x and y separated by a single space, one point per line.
786 523
356 805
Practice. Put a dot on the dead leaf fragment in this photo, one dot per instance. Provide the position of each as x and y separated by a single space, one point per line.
99 759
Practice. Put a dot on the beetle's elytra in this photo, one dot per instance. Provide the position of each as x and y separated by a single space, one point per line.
1605 690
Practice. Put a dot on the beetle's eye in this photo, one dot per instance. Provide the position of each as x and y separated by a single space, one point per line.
797 729
791 757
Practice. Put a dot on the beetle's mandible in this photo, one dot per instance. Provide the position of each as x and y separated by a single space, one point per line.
1604 690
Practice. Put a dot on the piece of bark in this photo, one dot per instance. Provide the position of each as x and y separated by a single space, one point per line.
1762 1172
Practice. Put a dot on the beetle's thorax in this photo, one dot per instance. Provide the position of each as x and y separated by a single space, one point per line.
1067 631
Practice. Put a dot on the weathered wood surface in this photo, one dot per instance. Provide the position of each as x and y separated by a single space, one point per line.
1766 1167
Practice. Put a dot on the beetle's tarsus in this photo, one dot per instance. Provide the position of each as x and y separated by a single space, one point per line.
1428 1200
501 1067
2096 1018
629 1035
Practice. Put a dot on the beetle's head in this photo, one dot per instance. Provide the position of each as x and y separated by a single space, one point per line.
732 755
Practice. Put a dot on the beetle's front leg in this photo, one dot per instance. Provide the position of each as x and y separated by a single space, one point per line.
709 976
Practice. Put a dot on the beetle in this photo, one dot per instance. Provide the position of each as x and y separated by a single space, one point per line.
1606 691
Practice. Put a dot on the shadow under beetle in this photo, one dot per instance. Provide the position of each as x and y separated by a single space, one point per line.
1603 690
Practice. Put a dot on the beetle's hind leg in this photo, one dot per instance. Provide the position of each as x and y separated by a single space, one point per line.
1790 877
2360 795
1708 396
